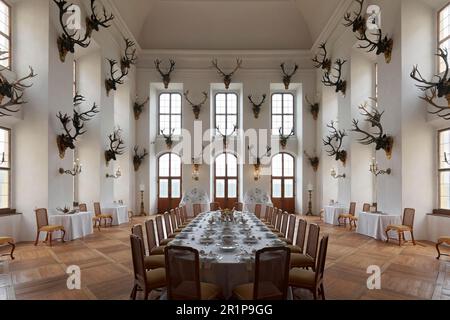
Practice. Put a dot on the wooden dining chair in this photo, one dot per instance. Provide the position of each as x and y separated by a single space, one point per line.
366 207
258 208
99 217
239 206
197 209
153 247
271 276
284 225
349 216
173 220
312 280
406 226
442 241
168 226
300 239
144 280
8 241
309 258
269 213
279 219
289 237
162 240
43 226
276 216
150 261
82 207
215 206
183 276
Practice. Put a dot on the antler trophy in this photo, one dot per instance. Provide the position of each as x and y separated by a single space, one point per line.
324 63
196 107
129 58
139 158
165 75
257 106
94 22
440 88
68 138
341 85
227 77
259 160
288 76
314 108
284 139
382 45
225 136
314 161
111 83
380 139
116 146
14 91
168 138
138 108
335 141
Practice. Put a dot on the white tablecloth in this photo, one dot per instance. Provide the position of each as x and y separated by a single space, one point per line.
119 214
229 270
77 225
374 224
331 214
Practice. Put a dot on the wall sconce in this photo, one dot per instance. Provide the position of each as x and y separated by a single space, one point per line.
117 175
196 172
257 172
375 170
74 172
336 176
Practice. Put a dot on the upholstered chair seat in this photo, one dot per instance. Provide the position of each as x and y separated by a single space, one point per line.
156 278
302 261
157 250
268 291
51 228
154 262
288 241
165 242
299 276
294 249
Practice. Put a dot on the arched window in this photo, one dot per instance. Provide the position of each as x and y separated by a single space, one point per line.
169 182
283 182
226 180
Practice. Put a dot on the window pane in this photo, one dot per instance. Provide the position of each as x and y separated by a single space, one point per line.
288 124
164 165
164 124
176 103
276 188
220 188
232 188
232 165
221 123
232 104
176 124
221 103
445 190
444 149
4 148
175 166
4 28
4 189
221 166
176 188
164 188
288 188
231 123
277 123
277 165
164 103
277 104
288 166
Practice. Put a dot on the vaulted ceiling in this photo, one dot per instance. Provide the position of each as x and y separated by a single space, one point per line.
226 24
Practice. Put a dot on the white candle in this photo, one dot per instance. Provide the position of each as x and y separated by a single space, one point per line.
310 187
142 187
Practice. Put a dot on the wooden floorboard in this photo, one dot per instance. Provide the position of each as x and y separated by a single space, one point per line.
38 273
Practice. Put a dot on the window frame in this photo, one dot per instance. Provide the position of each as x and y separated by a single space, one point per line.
8 37
226 114
226 178
170 177
170 114
9 170
282 114
438 35
283 178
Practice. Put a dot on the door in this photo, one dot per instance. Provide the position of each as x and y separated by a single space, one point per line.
169 182
283 182
226 180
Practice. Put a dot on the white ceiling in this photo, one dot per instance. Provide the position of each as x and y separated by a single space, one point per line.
226 24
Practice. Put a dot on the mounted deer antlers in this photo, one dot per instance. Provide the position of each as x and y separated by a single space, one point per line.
257 106
129 57
138 158
95 22
259 160
383 45
314 108
288 76
341 85
165 75
380 139
227 77
335 141
325 62
111 83
314 161
14 91
168 138
67 140
139 108
440 88
116 146
196 107
284 139
225 137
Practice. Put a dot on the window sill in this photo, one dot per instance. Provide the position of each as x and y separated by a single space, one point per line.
8 212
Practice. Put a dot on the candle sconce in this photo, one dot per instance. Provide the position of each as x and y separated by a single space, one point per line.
335 175
196 169
117 175
74 172
376 171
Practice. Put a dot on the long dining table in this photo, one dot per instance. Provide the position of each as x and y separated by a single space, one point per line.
227 264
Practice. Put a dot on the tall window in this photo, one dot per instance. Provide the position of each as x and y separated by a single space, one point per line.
170 113
444 32
226 112
282 113
5 169
169 169
283 181
5 33
226 180
376 84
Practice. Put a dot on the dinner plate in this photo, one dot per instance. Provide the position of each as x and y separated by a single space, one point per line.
270 235
228 248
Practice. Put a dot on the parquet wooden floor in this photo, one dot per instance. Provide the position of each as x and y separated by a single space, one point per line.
38 273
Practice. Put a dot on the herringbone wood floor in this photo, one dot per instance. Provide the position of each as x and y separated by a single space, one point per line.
105 260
